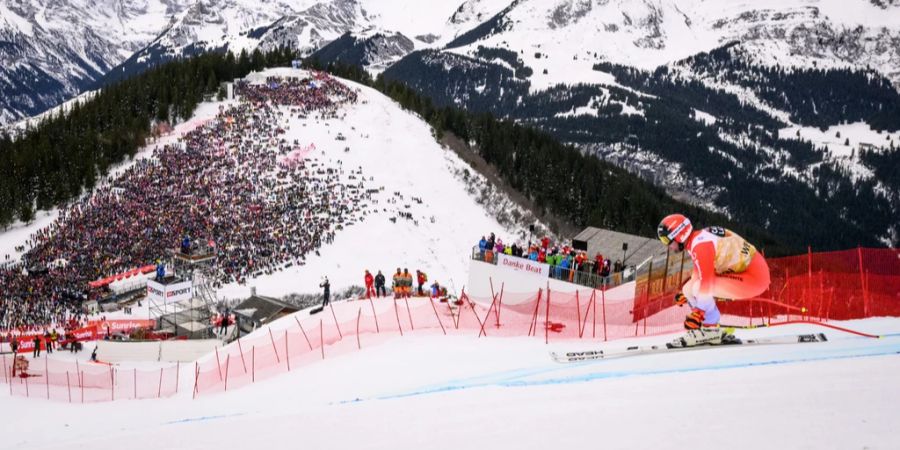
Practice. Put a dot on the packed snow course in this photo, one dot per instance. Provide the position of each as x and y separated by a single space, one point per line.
454 391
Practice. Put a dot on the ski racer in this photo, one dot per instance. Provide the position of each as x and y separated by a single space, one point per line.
725 267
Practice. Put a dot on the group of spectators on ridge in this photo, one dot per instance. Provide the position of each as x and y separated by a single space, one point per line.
402 285
565 262
235 184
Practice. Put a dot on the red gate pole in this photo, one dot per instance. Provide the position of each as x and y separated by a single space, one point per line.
603 304
336 321
358 316
375 315
431 301
547 317
397 313
241 350
593 315
68 386
287 353
159 389
322 337
272 338
218 364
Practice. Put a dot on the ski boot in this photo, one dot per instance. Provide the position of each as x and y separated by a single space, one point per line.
704 336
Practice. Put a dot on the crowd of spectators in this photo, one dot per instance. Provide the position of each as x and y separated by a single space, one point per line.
225 184
565 262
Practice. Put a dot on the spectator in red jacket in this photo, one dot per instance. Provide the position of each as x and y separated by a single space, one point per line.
370 288
421 278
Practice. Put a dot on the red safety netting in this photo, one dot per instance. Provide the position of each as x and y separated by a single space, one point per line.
818 287
80 382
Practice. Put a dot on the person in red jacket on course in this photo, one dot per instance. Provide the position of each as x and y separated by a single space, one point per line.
370 282
725 267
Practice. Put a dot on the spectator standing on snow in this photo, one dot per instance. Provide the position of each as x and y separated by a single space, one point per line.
421 278
379 285
369 282
326 292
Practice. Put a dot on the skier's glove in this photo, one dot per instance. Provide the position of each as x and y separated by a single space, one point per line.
680 299
694 320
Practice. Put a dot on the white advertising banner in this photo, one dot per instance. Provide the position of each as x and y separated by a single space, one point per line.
156 291
523 265
169 293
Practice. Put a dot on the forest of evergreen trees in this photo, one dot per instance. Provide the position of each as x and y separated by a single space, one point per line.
65 154
741 155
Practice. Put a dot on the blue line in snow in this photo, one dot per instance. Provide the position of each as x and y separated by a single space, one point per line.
202 418
514 378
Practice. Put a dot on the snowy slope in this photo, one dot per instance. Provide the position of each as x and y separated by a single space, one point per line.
462 392
397 150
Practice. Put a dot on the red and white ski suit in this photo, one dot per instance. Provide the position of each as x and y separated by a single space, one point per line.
725 266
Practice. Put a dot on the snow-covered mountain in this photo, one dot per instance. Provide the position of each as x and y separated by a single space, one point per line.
610 76
52 50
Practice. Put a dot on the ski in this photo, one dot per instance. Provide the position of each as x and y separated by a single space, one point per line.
634 350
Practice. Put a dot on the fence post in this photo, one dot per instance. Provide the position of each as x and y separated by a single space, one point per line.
287 353
408 313
336 325
241 350
218 364
196 378
81 382
272 338
177 374
112 383
135 383
603 300
6 371
358 316
304 333
27 394
227 363
68 386
397 313
500 303
862 283
532 329
159 389
437 316
322 335
374 315
578 311
547 317
647 297
47 372
253 364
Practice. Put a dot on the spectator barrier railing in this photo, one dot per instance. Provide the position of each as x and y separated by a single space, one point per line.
814 287
582 276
